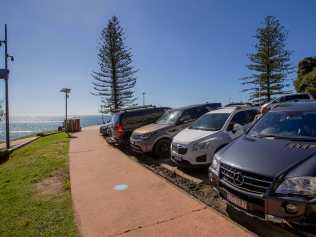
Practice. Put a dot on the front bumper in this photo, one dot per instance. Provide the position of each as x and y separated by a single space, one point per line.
269 207
141 146
190 160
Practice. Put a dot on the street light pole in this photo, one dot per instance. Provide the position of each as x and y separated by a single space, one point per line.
144 93
66 112
7 123
66 91
5 75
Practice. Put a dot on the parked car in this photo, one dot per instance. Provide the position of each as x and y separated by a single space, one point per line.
270 172
105 128
286 98
156 137
196 145
125 121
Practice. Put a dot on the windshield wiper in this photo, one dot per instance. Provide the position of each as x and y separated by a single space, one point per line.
269 136
285 137
302 138
204 129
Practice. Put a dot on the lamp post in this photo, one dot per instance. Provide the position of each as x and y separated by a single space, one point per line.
144 93
4 74
66 91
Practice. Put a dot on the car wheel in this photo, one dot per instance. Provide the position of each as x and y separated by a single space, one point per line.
162 149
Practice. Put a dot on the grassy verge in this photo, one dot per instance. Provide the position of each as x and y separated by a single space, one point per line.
35 195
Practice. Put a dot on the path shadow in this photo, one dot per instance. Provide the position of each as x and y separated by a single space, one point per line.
262 228
4 156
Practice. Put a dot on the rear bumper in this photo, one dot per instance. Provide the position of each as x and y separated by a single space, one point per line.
270 207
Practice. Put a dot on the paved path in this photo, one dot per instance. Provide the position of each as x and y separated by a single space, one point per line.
149 207
19 142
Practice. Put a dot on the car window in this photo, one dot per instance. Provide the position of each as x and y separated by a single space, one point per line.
137 118
169 117
197 112
187 115
251 115
192 114
295 97
240 118
210 121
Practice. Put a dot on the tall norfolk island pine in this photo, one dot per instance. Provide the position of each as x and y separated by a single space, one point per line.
270 63
115 80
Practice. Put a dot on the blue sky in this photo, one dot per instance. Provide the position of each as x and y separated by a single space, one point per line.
186 51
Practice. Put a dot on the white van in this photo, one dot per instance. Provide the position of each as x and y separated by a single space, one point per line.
196 145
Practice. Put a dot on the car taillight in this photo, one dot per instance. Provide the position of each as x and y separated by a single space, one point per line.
119 129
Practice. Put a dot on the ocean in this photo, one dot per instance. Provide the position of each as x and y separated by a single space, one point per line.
21 126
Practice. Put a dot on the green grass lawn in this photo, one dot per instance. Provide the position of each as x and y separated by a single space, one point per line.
35 197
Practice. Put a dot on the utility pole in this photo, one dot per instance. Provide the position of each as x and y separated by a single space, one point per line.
144 93
66 91
6 80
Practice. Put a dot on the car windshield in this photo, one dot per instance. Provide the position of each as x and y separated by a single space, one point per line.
299 125
210 122
169 117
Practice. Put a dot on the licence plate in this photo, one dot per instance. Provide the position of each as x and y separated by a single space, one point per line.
237 201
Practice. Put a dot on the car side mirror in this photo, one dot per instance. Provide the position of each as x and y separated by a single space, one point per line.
230 127
237 127
184 119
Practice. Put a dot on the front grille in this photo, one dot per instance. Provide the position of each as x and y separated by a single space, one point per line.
245 180
180 149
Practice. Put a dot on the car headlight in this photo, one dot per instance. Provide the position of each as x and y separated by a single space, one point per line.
215 164
145 136
298 185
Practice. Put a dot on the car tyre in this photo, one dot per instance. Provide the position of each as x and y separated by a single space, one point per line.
162 149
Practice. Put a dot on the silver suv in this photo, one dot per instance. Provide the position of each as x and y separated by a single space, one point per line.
196 145
156 137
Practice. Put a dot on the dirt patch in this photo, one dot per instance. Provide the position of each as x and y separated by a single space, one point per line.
53 185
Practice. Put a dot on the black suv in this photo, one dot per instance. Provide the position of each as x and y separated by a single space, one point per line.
125 121
270 172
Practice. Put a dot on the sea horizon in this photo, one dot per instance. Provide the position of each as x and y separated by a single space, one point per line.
24 125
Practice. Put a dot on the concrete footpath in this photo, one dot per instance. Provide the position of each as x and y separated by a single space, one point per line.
150 206
18 143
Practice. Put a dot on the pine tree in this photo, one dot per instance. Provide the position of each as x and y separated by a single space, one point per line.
270 63
115 80
306 76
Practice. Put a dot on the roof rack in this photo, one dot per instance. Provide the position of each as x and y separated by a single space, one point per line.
238 105
133 108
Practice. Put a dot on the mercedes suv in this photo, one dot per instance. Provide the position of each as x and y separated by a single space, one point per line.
270 172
